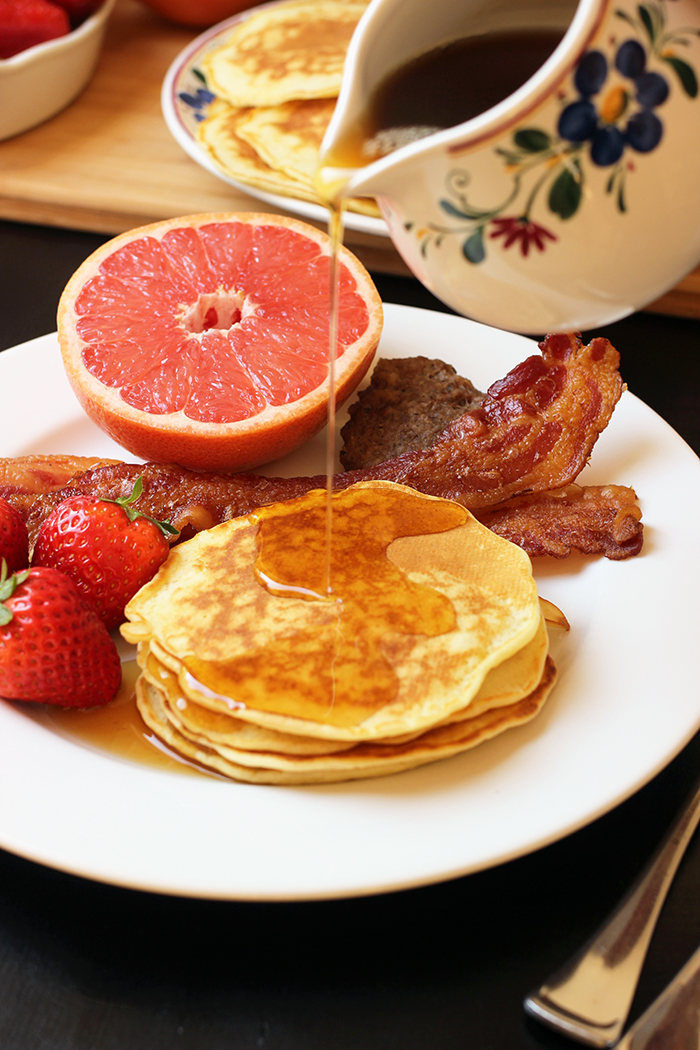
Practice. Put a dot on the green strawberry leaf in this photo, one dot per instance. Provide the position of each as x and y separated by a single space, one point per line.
132 513
8 586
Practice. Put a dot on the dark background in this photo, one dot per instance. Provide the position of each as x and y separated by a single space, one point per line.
84 966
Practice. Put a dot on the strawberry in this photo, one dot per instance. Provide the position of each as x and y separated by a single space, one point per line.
14 542
106 546
24 23
54 649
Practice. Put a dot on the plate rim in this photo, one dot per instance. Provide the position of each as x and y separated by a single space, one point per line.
409 318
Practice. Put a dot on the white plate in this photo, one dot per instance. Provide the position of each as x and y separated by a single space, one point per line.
626 703
185 98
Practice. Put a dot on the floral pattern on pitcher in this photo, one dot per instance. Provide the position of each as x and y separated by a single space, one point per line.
612 116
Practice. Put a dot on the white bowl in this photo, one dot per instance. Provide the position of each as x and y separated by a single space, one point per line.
39 82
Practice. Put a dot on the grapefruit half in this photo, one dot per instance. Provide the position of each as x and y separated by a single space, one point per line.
204 340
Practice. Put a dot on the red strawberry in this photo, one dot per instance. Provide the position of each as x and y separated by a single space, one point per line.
108 547
53 647
14 542
24 23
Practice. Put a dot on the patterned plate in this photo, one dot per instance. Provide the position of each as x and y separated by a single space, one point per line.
185 99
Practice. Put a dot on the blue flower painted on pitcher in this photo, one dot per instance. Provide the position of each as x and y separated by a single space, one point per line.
612 115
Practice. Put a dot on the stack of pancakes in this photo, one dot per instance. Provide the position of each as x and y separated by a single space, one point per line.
276 77
264 681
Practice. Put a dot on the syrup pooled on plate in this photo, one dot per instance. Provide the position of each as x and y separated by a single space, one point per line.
336 673
116 727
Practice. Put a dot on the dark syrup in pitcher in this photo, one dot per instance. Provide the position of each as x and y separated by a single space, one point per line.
454 83
442 88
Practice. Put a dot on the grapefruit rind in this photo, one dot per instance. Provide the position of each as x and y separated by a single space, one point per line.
174 437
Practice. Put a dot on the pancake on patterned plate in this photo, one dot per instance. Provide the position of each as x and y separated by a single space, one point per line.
238 159
277 77
291 50
288 136
273 148
255 669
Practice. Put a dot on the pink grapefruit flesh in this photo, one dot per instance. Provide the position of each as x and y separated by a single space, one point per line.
204 340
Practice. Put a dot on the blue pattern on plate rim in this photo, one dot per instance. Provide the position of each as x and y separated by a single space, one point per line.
197 98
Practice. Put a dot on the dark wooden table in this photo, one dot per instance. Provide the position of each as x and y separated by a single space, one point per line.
85 966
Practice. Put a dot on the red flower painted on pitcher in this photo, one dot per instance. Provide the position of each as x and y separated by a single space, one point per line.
518 228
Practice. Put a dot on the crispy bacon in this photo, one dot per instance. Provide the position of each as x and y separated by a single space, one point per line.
24 478
189 500
596 519
593 520
533 433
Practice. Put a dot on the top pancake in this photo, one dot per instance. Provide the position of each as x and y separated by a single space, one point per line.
291 51
205 610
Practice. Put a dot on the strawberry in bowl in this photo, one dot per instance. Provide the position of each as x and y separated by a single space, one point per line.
48 54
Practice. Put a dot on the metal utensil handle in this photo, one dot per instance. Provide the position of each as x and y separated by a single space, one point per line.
672 1020
589 998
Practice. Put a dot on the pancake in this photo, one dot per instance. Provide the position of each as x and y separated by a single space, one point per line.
237 647
511 680
290 51
361 761
506 684
274 148
218 135
217 727
276 78
288 137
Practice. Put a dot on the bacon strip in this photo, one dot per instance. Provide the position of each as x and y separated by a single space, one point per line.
533 433
28 476
591 520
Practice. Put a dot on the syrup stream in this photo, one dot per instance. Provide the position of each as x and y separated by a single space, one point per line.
118 728
335 231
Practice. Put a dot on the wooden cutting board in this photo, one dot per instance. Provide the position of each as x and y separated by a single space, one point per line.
108 162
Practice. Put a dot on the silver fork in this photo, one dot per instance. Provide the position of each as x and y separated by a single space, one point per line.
589 998
672 1020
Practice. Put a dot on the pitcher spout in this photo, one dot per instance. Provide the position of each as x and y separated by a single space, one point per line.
390 36
530 213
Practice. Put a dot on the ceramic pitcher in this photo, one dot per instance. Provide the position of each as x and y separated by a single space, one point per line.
571 203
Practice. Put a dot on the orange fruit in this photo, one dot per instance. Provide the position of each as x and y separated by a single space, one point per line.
204 340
